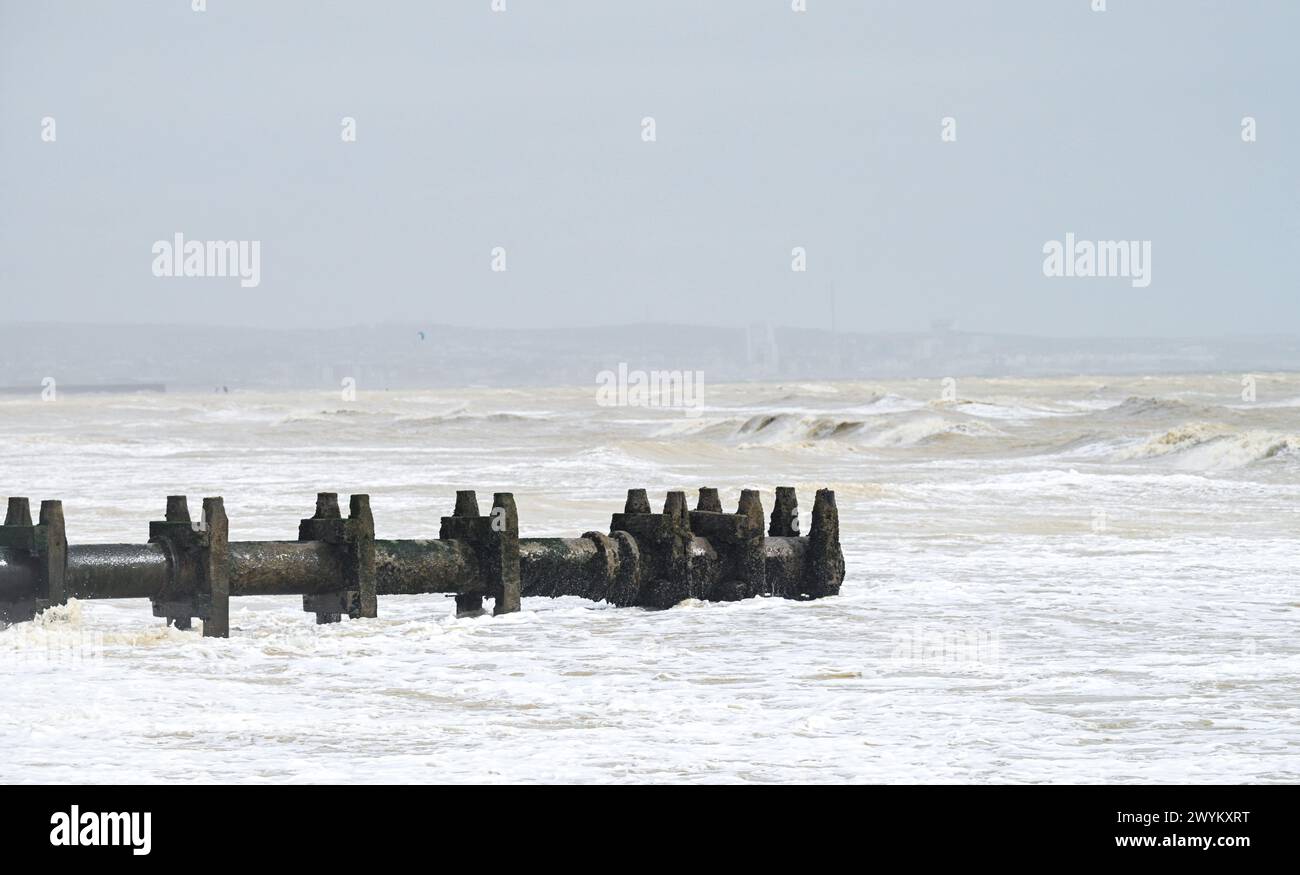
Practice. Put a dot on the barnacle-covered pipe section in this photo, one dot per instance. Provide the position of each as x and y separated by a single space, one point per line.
190 569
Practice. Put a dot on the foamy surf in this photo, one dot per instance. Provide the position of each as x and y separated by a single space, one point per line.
1212 447
1051 591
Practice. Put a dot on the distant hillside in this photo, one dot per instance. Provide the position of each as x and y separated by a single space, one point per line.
414 356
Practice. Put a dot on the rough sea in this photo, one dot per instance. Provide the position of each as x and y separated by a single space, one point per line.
1049 580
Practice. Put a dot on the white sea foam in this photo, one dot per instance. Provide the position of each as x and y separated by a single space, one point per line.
1065 581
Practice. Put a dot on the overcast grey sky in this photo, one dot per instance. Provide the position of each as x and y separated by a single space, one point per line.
775 129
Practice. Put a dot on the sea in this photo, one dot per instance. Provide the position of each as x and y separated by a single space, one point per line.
1051 580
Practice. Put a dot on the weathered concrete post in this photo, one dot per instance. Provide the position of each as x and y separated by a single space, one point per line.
675 506
503 554
216 569
750 560
17 534
826 560
359 533
751 505
709 500
785 513
466 503
18 512
637 501
462 525
52 544
674 584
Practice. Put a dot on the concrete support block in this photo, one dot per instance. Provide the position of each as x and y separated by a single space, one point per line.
354 540
738 543
43 551
495 541
198 567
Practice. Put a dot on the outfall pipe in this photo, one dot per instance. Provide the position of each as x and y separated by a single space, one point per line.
189 568
548 567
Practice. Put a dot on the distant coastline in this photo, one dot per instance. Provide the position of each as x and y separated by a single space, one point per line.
152 358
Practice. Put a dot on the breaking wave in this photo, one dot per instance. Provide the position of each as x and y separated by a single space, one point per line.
904 430
1205 446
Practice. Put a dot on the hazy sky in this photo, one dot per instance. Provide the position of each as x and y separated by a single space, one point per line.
775 129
